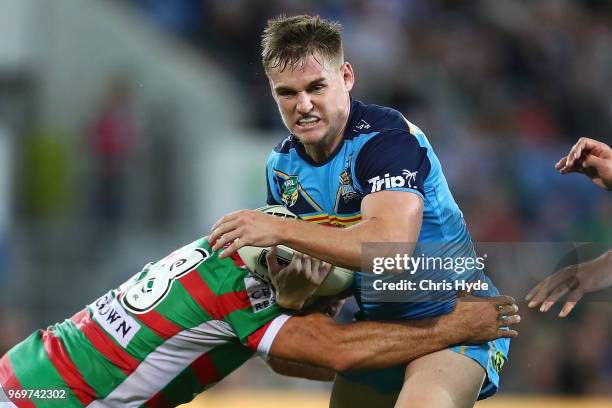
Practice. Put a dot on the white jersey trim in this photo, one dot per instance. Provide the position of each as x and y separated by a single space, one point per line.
166 362
268 338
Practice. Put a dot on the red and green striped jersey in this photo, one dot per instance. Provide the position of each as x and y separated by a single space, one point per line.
167 334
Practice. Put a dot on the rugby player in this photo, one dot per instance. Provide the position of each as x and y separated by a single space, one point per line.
594 159
182 324
366 168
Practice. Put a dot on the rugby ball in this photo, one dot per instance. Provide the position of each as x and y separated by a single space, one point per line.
338 280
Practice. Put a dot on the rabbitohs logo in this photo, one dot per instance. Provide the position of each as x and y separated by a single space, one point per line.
290 191
143 294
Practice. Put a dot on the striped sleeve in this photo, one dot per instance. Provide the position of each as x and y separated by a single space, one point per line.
261 340
250 308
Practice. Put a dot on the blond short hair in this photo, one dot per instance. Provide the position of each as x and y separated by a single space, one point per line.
289 41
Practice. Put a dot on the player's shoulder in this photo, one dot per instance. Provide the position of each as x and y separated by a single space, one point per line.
285 146
372 124
282 152
373 118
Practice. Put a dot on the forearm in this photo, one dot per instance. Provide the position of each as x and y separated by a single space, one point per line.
299 370
337 246
340 246
318 340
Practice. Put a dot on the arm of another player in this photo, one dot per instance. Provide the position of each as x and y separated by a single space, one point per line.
574 281
318 340
300 370
387 216
591 157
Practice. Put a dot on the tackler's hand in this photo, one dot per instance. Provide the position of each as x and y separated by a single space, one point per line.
478 319
296 282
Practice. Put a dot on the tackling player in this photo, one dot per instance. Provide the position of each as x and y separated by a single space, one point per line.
366 168
182 324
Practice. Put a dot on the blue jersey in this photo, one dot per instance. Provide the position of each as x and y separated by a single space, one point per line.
380 150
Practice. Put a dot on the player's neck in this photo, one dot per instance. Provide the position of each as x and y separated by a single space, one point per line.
321 151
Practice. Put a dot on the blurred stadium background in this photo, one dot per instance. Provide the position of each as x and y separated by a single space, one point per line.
128 126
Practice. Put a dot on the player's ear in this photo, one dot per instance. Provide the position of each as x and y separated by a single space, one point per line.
348 76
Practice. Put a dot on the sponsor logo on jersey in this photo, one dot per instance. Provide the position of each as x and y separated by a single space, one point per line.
405 180
261 295
290 191
346 191
498 360
114 319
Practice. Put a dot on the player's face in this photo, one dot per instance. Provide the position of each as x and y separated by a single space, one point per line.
313 99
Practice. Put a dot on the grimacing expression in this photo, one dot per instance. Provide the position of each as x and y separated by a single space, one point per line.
313 98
